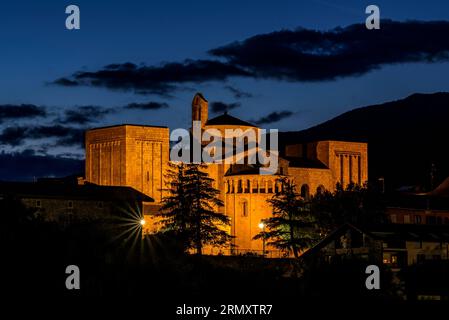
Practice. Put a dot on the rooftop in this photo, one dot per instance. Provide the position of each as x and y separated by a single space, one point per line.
226 119
71 191
129 125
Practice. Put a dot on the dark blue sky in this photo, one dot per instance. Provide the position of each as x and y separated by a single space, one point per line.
37 50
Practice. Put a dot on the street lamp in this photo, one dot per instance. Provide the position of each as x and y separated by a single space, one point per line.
262 227
142 222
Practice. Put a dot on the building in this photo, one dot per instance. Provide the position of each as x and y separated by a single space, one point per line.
137 156
430 208
417 254
398 246
64 201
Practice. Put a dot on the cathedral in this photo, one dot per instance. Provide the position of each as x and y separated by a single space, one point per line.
137 156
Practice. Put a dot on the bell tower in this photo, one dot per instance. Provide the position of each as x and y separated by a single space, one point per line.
200 108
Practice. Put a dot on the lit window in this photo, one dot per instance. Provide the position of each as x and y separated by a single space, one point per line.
394 259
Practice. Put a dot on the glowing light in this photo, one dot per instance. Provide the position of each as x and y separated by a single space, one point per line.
142 222
261 225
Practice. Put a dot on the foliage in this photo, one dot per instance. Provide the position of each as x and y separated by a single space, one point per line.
292 228
190 208
359 205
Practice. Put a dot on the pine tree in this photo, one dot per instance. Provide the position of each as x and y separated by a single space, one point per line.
176 205
292 227
190 209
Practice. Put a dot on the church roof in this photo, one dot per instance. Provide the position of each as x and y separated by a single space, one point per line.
226 119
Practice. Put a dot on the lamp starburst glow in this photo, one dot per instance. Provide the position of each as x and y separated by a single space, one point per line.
261 225
142 222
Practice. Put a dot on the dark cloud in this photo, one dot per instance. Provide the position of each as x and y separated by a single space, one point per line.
238 94
292 55
22 111
84 115
13 136
66 82
309 55
147 105
64 136
274 117
218 106
26 165
159 80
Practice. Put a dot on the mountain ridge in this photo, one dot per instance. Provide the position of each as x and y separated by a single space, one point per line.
405 137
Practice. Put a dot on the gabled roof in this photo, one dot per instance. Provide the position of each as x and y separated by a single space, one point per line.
71 191
226 119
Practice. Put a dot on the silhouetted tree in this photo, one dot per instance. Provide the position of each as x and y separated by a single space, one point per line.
292 228
359 205
190 209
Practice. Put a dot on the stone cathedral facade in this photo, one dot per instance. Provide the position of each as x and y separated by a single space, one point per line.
138 156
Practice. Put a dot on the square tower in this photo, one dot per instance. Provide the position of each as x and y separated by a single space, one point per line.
128 155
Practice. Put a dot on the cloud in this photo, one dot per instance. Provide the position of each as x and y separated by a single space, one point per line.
159 80
66 82
26 165
310 55
274 117
64 136
218 107
23 111
147 106
84 114
238 94
291 55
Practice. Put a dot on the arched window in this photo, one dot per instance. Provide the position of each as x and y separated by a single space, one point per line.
239 187
320 189
305 191
255 186
270 186
244 208
247 186
262 186
228 187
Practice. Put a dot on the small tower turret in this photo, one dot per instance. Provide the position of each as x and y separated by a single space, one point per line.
200 109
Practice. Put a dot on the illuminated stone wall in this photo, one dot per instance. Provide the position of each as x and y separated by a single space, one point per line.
134 156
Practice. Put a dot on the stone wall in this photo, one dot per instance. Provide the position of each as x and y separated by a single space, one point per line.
134 156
